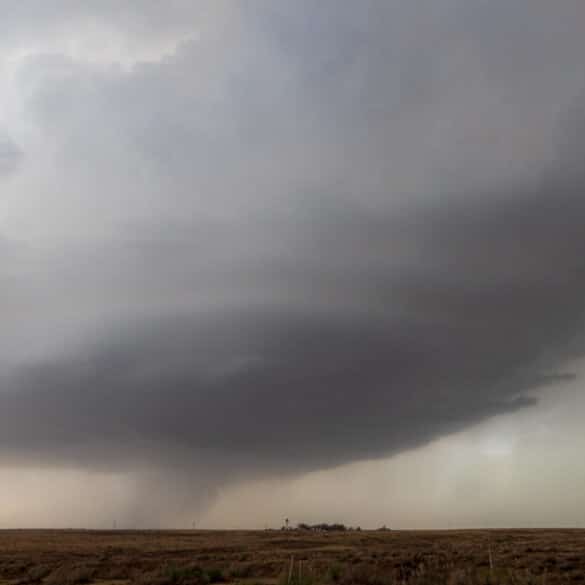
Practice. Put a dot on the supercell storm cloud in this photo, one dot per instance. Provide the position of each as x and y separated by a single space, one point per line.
275 237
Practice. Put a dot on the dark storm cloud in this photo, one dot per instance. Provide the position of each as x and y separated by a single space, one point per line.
368 354
341 240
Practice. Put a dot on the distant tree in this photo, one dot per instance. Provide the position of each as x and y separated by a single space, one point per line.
322 527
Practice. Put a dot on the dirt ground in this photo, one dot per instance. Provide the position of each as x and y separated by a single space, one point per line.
292 557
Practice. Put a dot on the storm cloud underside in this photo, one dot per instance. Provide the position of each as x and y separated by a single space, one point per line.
309 234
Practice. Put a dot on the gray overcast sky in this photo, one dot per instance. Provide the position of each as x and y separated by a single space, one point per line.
248 250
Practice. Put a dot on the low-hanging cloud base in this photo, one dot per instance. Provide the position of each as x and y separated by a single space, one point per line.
288 246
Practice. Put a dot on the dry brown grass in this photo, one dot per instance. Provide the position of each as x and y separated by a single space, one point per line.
519 557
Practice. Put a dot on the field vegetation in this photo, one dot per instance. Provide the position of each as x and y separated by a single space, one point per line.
293 557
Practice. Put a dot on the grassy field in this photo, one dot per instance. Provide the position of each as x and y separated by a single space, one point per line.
543 557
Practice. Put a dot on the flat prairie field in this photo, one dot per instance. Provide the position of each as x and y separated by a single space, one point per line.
293 557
